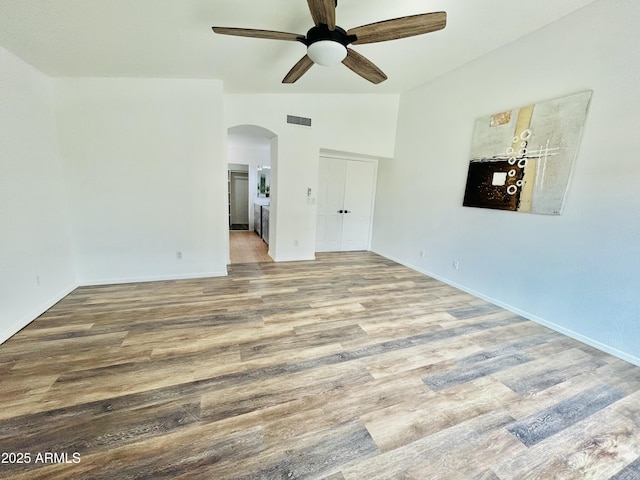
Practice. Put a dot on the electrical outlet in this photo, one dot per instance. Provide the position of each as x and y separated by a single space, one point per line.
455 265
421 253
37 279
179 255
295 243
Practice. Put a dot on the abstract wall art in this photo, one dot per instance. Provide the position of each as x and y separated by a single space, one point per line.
521 159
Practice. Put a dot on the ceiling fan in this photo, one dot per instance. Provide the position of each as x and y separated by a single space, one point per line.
327 43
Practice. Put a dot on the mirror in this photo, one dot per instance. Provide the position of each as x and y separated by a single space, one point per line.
263 181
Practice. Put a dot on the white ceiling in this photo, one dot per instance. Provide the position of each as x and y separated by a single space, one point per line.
173 39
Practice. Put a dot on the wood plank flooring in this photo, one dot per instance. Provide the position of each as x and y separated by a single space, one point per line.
247 247
349 367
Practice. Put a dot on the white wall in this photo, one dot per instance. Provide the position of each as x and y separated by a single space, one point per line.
36 262
364 124
147 177
579 272
360 124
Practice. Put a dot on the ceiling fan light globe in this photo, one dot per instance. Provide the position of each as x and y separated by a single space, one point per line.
327 52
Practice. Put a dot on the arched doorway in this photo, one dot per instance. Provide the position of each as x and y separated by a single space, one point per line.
252 161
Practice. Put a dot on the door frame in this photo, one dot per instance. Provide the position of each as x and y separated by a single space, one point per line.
234 176
358 158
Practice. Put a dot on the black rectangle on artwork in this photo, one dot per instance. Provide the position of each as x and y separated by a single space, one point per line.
480 191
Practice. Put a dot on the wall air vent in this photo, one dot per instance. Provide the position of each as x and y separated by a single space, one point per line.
293 120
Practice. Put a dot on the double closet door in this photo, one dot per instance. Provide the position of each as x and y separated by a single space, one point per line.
345 204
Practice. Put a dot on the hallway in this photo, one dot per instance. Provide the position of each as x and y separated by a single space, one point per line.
247 247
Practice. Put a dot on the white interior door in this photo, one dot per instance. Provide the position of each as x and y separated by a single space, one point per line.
345 201
358 200
239 199
330 203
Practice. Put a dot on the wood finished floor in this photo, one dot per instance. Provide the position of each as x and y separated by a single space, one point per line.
348 367
247 247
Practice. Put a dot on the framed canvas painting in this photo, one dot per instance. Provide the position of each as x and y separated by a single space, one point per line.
521 159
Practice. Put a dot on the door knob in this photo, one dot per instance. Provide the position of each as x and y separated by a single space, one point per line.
340 211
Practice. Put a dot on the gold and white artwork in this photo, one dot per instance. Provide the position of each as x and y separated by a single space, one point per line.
521 159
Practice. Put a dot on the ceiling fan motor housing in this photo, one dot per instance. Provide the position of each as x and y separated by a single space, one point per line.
327 47
322 32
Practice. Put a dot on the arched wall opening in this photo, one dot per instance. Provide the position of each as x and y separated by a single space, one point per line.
253 149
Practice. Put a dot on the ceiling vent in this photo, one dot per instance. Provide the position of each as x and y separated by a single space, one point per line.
293 120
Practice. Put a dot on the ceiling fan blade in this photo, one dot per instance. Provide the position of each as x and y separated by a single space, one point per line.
399 27
250 32
298 70
363 67
323 11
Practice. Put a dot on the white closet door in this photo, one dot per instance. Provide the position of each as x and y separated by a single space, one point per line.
330 201
239 199
358 199
345 200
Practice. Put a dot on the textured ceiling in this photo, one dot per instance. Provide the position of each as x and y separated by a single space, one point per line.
173 39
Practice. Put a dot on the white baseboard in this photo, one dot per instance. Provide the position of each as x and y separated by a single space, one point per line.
291 258
35 313
158 278
529 316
